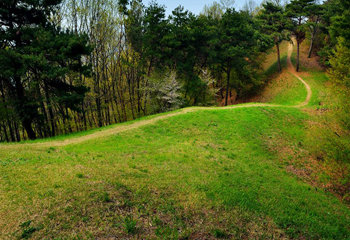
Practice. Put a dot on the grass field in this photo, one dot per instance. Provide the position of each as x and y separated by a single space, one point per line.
221 173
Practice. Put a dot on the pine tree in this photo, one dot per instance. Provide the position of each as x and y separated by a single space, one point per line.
298 12
35 58
238 42
314 23
274 24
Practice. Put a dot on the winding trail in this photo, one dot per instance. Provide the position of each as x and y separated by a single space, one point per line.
292 70
137 124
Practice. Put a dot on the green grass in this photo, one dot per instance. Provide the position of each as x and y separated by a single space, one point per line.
214 173
326 138
282 89
175 171
293 92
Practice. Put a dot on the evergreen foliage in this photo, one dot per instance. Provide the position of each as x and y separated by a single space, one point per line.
274 24
297 11
36 58
340 75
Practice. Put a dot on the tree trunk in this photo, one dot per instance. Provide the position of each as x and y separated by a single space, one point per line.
278 57
97 92
12 134
5 132
7 117
84 115
121 96
17 133
45 128
227 84
26 121
146 92
76 121
130 98
311 46
49 107
220 80
138 97
27 124
116 101
297 63
98 107
69 126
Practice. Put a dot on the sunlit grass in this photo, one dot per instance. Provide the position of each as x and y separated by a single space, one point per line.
174 171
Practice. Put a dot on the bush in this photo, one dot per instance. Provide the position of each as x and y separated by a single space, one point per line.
209 92
164 92
339 75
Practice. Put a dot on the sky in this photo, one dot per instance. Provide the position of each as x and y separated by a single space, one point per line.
195 6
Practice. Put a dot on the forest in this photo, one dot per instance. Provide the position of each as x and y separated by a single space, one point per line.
120 119
73 65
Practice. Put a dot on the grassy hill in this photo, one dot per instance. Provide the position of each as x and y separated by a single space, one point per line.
245 172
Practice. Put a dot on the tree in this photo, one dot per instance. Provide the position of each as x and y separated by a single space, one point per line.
340 23
273 23
217 9
339 59
133 45
339 74
164 92
297 12
237 44
340 71
35 59
250 7
314 22
156 27
226 4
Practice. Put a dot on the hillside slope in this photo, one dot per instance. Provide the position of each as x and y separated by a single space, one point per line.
197 173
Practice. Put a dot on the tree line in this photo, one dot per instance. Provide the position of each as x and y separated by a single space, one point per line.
73 65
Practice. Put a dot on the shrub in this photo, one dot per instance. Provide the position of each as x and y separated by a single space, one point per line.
164 92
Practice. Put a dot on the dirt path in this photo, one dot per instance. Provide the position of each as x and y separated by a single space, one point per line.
119 129
292 70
